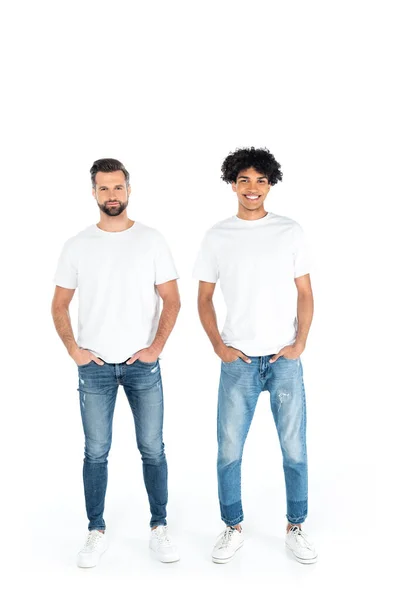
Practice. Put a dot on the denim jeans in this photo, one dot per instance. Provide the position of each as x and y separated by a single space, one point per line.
98 386
240 386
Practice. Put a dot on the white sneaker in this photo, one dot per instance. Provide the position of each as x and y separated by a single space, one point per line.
301 546
162 545
96 543
227 543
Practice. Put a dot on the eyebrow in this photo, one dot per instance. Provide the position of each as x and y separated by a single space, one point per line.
246 177
116 185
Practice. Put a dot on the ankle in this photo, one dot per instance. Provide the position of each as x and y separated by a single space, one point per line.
290 525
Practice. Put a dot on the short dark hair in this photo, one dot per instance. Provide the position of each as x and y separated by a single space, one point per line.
107 165
260 159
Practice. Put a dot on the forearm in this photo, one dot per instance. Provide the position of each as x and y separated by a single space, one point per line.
166 323
208 319
305 311
63 327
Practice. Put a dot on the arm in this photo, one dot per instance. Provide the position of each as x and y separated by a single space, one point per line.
208 319
171 305
62 321
207 313
305 310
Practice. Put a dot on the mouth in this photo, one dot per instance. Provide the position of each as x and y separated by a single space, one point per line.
251 197
112 203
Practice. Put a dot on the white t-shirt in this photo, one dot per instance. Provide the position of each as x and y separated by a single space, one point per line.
116 274
256 263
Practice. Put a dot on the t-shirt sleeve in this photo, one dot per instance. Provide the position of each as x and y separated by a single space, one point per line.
67 272
165 269
301 255
206 266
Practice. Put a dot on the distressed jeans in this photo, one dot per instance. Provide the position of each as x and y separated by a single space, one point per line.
98 386
240 386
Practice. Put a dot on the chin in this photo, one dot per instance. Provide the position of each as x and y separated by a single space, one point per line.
253 206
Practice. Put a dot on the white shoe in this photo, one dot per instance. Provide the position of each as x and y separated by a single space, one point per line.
96 543
301 546
227 543
162 545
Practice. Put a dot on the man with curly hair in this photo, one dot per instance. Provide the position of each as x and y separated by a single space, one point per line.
122 268
261 262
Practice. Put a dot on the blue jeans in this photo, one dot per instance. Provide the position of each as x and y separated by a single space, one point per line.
98 386
240 386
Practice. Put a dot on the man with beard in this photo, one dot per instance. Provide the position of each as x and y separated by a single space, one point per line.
262 265
121 268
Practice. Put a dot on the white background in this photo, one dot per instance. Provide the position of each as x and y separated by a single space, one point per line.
170 88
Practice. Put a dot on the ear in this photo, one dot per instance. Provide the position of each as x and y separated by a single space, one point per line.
129 190
93 192
234 187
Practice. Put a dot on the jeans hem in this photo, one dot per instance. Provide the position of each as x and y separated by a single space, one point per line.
163 522
296 520
233 522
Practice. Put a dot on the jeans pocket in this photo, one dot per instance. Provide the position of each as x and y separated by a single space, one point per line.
147 363
85 365
231 361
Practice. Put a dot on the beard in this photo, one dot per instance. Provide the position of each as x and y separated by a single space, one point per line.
113 211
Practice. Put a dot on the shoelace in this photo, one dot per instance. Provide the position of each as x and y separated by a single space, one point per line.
301 538
162 536
93 540
226 537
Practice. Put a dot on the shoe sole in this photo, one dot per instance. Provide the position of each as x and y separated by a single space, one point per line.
303 561
91 566
223 561
165 560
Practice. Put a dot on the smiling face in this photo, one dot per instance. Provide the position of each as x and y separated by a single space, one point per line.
111 192
251 188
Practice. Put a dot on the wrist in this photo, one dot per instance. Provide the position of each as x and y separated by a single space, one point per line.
300 344
218 346
72 349
156 347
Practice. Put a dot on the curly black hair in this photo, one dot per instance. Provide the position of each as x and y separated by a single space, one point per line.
260 159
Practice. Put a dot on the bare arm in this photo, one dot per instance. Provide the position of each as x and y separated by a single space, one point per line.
171 305
305 310
208 319
207 313
62 321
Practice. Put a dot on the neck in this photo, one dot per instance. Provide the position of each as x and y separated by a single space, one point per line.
114 224
251 215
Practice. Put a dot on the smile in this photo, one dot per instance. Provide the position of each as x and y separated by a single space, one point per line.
252 197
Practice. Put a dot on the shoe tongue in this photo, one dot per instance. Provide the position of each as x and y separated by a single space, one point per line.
294 528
